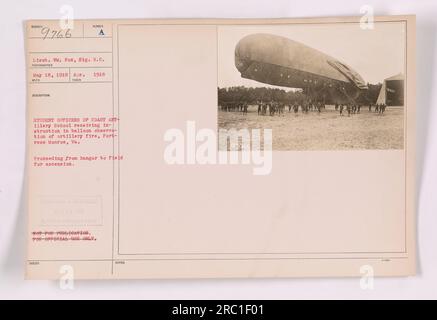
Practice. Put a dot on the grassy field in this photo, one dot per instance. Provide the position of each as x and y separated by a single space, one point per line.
325 131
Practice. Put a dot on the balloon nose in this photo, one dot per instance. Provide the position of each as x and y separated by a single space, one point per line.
241 64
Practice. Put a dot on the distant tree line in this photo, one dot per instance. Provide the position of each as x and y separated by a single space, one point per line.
252 95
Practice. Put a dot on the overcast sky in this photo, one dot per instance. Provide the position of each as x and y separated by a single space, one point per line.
375 54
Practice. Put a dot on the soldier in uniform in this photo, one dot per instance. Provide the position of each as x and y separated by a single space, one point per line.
348 109
245 108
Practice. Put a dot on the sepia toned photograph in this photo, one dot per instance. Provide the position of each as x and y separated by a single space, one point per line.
330 86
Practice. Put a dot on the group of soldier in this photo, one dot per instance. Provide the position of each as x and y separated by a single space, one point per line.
273 107
379 108
279 107
356 108
238 106
350 108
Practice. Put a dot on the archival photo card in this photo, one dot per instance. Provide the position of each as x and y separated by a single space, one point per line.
221 148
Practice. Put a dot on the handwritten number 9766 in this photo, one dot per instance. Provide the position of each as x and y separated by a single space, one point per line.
55 34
